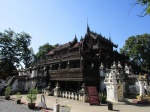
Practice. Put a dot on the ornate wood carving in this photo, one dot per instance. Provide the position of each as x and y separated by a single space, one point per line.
71 73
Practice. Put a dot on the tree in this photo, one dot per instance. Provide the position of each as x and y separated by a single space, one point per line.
26 53
44 49
14 49
145 4
8 52
138 49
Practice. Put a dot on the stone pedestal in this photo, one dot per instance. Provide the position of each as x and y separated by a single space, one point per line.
48 90
82 93
57 90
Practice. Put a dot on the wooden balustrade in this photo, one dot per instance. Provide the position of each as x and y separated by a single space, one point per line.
74 96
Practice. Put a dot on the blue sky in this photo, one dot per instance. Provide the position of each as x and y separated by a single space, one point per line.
58 21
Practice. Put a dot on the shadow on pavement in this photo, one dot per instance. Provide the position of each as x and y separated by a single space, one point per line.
48 109
115 110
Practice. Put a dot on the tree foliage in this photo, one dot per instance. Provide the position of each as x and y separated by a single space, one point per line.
32 95
23 42
145 4
14 49
44 49
8 55
138 49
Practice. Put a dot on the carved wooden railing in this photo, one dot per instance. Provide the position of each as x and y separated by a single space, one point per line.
68 57
66 73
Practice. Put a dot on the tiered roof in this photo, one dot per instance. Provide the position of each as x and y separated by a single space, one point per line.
75 42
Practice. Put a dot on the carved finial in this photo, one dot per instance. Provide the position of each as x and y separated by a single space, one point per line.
114 65
75 37
59 66
88 28
145 76
82 58
92 66
68 64
140 77
119 65
102 66
57 85
49 84
81 39
126 66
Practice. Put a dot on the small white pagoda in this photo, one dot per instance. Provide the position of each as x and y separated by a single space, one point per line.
114 84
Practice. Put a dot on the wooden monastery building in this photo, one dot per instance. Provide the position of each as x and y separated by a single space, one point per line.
78 62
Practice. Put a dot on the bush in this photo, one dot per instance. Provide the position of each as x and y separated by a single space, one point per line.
7 90
32 95
102 97
18 96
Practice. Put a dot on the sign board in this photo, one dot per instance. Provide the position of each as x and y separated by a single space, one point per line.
93 95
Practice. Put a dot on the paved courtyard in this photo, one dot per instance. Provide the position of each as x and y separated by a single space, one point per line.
11 106
76 106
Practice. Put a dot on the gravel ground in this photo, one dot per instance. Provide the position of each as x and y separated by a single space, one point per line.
12 106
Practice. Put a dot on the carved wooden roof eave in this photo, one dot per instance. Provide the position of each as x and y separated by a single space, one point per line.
73 47
60 49
100 37
67 45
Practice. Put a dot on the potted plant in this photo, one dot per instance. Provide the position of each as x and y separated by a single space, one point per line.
32 97
7 92
102 97
18 96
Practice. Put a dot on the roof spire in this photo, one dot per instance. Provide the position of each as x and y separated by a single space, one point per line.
75 36
88 28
